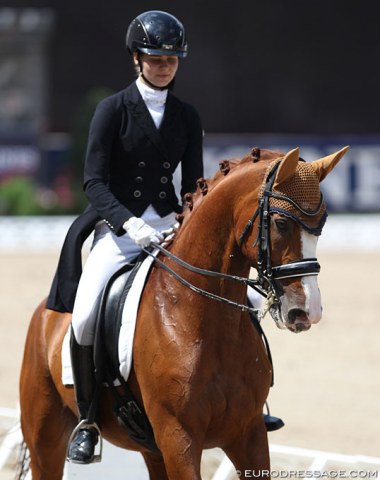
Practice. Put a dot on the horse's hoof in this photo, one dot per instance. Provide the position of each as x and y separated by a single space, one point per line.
273 423
82 447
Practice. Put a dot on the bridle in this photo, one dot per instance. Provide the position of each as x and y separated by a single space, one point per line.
267 273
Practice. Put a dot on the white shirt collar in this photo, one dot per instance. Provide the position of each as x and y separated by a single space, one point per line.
151 96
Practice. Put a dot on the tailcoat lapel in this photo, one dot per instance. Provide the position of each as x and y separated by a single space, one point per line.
140 112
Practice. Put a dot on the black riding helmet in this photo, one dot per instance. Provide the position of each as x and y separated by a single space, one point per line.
157 33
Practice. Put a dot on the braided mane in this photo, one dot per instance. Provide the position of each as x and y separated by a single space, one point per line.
205 185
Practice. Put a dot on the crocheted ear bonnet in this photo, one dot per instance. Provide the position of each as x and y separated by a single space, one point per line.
299 198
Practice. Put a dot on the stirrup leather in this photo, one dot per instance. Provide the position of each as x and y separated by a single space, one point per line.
85 425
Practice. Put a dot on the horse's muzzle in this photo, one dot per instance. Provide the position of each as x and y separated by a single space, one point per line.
298 320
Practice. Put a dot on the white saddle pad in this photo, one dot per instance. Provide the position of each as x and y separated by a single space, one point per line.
127 330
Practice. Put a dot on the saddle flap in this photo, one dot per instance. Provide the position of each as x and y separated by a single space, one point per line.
109 318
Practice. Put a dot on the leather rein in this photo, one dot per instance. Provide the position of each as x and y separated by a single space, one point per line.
267 274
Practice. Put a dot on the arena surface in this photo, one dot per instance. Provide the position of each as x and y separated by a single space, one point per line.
327 381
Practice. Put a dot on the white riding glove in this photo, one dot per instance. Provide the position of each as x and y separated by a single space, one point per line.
169 234
141 233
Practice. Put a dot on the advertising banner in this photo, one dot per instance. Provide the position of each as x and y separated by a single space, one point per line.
353 186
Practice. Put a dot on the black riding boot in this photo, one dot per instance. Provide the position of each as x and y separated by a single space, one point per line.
85 436
272 423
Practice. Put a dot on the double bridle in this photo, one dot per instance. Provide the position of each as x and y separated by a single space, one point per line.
267 274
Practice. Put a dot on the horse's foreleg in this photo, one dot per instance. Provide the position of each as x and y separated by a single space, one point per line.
155 465
250 453
181 452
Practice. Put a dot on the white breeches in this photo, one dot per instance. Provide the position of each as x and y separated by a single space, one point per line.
108 254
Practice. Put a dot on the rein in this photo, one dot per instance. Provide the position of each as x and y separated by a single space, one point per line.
255 315
202 271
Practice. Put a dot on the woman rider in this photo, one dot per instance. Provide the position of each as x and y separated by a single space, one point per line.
137 139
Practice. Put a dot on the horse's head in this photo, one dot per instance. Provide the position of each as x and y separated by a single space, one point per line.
282 244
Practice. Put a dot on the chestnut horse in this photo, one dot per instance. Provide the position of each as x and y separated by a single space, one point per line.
200 368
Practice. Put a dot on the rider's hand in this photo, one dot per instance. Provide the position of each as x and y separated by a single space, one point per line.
171 230
141 233
169 233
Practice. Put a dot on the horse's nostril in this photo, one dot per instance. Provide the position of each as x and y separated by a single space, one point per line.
296 313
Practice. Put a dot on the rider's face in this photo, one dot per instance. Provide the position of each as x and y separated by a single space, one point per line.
159 70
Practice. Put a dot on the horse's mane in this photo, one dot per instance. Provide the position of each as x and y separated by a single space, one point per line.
205 185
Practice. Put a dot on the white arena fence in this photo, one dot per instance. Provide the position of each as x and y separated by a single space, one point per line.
341 232
287 462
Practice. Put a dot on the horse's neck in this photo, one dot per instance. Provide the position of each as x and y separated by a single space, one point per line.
209 234
208 239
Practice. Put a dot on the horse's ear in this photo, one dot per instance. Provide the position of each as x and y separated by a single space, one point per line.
287 167
324 165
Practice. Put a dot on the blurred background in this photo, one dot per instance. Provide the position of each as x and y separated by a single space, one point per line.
272 74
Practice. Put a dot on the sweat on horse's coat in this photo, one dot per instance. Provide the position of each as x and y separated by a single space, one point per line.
200 369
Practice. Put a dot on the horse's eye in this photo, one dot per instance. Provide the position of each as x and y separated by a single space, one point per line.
282 225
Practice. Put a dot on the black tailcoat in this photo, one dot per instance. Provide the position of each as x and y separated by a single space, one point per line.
129 166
